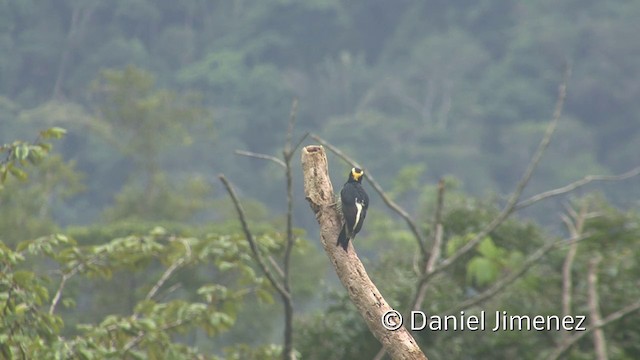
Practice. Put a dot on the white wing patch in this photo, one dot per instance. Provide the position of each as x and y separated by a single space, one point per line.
359 207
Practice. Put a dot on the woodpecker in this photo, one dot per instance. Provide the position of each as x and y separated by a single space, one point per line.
355 202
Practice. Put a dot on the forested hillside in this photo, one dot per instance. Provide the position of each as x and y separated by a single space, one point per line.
116 215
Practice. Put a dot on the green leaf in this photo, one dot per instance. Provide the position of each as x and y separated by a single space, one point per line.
36 154
147 324
487 248
54 132
4 170
25 152
481 270
17 152
23 277
457 242
21 309
264 296
225 265
62 238
87 354
18 173
158 231
46 147
68 303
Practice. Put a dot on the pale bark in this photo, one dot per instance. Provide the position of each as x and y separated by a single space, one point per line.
599 341
363 293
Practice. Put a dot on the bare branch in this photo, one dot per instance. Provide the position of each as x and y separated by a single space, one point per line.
252 243
141 334
567 282
63 282
599 341
275 266
65 278
292 122
133 342
437 224
337 151
575 185
568 223
575 225
295 147
288 153
261 156
436 249
499 285
287 353
170 270
616 315
570 210
386 199
509 208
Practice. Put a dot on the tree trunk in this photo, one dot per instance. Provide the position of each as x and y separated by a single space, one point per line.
399 344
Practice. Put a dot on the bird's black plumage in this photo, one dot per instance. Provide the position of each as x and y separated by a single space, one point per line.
355 203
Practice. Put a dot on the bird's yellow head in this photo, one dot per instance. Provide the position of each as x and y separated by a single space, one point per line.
356 174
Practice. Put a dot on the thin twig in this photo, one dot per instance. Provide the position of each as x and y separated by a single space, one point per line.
289 150
58 295
292 122
141 334
275 266
272 261
575 225
616 315
287 153
567 282
261 156
65 278
252 243
577 184
436 249
599 342
299 142
170 270
170 290
38 141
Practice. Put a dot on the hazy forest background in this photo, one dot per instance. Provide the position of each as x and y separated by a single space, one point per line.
157 95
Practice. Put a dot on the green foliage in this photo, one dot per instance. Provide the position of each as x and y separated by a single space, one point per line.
28 205
491 260
158 319
19 154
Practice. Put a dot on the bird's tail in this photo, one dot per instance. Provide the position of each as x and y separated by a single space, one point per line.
343 240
